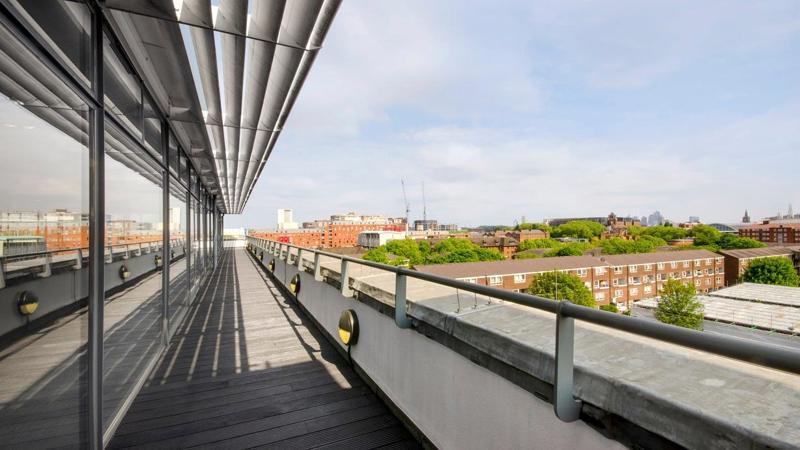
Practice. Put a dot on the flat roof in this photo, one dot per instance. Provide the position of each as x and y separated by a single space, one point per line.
657 257
767 316
514 266
757 252
765 293
511 266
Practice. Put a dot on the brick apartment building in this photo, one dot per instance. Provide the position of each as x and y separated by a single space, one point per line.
736 261
507 246
773 233
616 279
341 231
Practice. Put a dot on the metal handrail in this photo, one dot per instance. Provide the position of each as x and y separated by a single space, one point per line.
566 407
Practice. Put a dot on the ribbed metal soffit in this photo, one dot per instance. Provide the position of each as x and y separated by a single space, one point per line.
227 72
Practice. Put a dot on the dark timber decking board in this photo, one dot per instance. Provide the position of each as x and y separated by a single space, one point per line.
246 370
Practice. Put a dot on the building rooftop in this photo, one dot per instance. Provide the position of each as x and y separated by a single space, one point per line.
657 257
761 293
757 252
512 266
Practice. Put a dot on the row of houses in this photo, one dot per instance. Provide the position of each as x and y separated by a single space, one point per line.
620 279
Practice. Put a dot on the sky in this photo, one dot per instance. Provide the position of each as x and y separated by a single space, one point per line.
544 109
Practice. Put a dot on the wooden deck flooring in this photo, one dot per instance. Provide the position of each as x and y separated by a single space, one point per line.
247 370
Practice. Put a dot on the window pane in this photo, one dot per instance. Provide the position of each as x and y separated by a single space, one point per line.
132 318
43 213
178 280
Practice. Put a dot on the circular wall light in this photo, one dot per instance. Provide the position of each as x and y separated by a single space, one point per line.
27 303
157 259
348 327
124 273
294 285
271 265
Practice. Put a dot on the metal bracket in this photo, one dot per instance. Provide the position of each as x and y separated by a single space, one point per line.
400 317
78 260
346 291
566 407
2 272
47 266
317 267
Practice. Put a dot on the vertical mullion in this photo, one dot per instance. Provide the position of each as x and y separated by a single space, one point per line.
96 242
188 238
166 246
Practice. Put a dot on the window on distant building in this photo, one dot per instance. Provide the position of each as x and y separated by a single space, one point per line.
660 266
471 280
519 278
582 272
600 296
599 270
648 289
495 280
633 268
618 293
634 291
617 269
648 267
673 264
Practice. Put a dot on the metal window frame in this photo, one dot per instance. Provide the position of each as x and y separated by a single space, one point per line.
92 423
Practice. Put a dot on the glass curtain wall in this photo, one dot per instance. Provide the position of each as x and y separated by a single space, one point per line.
46 162
44 206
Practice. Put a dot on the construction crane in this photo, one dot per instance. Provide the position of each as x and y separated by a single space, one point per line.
424 207
405 199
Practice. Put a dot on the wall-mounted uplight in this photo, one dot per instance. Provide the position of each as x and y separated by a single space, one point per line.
294 285
27 303
271 265
348 327
158 261
124 273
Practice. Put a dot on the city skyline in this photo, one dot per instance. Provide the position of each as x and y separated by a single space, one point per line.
545 110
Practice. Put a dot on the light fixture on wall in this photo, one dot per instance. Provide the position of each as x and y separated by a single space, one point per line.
271 265
294 285
158 261
27 302
124 273
348 327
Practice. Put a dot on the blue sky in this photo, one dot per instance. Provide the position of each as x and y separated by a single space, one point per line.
544 109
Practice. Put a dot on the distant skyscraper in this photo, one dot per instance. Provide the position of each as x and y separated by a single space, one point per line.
655 219
285 221
790 213
644 221
694 219
746 218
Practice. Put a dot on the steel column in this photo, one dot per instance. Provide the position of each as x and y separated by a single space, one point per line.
166 243
400 294
96 242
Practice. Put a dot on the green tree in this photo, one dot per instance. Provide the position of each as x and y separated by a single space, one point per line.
667 233
610 308
705 235
411 252
730 242
618 246
528 244
774 270
582 229
679 306
571 249
562 286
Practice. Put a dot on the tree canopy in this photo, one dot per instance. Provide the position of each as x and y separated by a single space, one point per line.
774 270
582 229
619 246
533 226
562 286
411 252
528 244
679 306
667 233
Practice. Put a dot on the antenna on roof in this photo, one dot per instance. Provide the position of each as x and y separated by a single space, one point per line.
405 200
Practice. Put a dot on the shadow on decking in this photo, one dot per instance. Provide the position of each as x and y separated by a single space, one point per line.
247 369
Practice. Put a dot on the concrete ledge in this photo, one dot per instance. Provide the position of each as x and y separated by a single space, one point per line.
690 398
